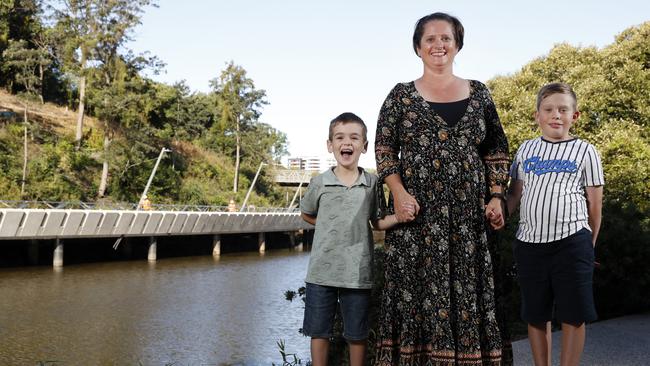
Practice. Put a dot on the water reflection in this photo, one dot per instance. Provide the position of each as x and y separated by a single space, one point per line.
197 310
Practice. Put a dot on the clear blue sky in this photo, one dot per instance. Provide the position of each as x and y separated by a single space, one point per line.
317 59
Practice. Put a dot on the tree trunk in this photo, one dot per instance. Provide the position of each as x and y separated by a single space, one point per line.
236 180
80 113
40 76
104 182
22 186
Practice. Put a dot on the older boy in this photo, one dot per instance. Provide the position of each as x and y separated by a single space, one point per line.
341 202
559 180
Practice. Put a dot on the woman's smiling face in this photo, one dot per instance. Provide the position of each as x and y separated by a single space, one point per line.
437 46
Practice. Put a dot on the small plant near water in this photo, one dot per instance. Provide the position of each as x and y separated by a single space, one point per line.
288 359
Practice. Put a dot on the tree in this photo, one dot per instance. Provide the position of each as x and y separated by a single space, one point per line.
25 63
265 143
19 21
121 100
100 28
180 114
88 29
239 106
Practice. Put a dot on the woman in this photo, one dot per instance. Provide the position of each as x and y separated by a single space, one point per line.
441 149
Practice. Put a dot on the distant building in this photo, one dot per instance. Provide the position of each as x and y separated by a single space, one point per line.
311 163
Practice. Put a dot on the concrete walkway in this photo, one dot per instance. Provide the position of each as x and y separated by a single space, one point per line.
622 341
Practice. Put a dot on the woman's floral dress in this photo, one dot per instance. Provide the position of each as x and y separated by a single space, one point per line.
438 303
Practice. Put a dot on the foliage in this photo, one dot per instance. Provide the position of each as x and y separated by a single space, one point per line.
239 104
288 359
93 30
622 282
19 22
24 62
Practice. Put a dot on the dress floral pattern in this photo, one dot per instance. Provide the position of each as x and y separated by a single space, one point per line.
438 303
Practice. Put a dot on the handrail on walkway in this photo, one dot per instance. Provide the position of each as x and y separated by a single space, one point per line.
129 206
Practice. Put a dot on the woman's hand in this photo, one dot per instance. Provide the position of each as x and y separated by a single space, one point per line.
494 213
406 206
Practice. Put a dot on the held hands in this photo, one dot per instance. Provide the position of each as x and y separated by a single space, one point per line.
494 213
406 207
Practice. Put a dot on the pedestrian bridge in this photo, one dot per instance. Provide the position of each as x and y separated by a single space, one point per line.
76 223
33 224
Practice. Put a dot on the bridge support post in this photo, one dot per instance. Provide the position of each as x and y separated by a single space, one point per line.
152 256
33 251
58 254
295 245
261 242
216 245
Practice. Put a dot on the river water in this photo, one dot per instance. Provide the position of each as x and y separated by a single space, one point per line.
181 311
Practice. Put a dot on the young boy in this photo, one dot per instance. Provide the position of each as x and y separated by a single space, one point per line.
559 180
340 203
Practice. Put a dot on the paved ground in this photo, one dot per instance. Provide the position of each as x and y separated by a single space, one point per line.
622 341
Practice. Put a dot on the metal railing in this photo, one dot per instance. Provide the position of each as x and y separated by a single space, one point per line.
129 206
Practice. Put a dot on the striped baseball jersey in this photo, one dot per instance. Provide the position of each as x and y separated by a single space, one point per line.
554 174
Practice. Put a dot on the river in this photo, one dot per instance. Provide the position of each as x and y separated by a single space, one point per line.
181 311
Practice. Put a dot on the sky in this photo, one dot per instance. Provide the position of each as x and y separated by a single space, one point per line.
317 59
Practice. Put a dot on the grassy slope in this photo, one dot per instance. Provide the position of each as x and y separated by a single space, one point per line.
57 123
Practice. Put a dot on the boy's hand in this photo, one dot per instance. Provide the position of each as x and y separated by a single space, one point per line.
496 220
406 206
494 213
409 209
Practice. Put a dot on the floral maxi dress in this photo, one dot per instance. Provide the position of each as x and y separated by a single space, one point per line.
438 303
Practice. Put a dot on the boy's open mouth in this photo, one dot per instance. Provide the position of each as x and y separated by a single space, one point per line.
346 152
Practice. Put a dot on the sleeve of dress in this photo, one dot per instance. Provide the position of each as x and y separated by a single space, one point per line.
494 148
387 145
516 169
379 206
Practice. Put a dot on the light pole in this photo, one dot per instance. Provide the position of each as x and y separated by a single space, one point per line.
250 189
153 172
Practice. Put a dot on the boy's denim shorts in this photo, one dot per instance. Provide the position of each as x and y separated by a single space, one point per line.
320 308
560 273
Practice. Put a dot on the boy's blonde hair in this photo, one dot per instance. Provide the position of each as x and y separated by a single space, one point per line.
556 88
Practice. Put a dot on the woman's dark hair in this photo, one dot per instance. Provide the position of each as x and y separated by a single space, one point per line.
459 31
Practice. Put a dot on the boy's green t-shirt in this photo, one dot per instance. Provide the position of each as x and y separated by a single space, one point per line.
342 250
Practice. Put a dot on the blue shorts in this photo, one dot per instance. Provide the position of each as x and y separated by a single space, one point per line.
560 273
320 308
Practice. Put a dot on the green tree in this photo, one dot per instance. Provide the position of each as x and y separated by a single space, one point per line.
20 20
181 114
121 100
91 31
239 105
27 65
